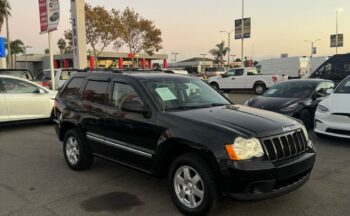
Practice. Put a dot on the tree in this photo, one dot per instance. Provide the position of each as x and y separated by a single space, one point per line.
138 33
17 47
99 29
62 45
219 52
3 12
68 36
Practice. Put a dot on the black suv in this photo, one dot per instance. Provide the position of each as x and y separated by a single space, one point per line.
179 127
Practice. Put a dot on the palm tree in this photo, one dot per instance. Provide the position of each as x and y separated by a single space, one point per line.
62 45
17 47
3 12
219 52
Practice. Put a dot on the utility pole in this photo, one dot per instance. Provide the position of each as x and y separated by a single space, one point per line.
336 29
228 44
312 45
175 55
9 55
25 55
242 32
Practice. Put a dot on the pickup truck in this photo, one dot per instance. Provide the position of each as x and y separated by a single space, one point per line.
245 78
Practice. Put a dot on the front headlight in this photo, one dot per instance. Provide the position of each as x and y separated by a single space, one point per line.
244 149
289 108
321 108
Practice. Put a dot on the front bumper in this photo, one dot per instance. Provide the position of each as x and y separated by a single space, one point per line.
251 180
332 125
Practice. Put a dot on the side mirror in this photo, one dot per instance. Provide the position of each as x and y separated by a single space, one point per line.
134 106
329 91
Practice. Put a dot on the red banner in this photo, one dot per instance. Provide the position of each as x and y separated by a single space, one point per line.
49 11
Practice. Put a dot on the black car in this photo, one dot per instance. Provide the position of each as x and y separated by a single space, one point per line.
335 68
20 73
295 98
178 127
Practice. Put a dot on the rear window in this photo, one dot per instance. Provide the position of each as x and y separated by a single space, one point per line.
95 92
72 89
20 74
45 75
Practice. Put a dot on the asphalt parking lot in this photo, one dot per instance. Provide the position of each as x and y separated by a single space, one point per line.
34 180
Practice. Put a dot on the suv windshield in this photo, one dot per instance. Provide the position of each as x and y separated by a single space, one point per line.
185 93
344 87
291 90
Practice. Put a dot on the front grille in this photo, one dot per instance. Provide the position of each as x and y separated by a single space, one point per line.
285 146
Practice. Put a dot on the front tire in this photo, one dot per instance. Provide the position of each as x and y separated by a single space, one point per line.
215 86
75 151
192 185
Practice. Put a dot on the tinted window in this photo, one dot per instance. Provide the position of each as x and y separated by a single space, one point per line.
291 90
13 86
72 89
45 75
342 70
344 87
123 92
95 92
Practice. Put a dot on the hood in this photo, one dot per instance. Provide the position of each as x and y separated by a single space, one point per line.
248 121
337 103
272 103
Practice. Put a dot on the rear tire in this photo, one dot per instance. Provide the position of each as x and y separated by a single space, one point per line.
259 88
192 185
215 86
75 150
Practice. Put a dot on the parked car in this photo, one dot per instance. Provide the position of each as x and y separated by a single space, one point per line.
21 99
335 68
61 76
20 73
244 78
142 120
293 67
296 98
333 114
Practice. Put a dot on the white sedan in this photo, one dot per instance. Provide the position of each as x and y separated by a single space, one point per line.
21 99
333 114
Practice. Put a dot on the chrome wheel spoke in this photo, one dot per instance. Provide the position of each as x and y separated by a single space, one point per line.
192 200
187 173
195 179
198 193
179 180
72 150
182 194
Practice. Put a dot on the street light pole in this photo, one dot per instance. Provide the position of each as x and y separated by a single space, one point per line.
9 59
228 44
242 33
25 55
336 29
175 54
312 45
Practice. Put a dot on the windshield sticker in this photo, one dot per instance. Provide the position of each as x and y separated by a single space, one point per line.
165 94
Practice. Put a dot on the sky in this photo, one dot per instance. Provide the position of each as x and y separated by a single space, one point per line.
192 27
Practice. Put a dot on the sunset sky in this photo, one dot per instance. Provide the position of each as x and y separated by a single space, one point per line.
191 27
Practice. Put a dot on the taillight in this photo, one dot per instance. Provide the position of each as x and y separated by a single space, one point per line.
45 84
274 78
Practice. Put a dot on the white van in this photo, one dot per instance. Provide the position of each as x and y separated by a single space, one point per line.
293 67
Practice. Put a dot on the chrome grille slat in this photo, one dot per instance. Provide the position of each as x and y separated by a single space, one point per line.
285 146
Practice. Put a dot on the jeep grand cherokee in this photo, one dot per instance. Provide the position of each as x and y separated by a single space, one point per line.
178 127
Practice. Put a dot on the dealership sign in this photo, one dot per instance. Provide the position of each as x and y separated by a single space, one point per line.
337 40
242 28
49 15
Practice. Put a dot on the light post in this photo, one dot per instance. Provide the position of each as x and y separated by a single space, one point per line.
228 44
242 32
9 59
175 55
312 45
203 60
336 29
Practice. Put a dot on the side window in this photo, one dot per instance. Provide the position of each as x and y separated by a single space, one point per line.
13 86
2 88
231 73
65 75
72 89
326 71
95 92
342 70
239 72
123 92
